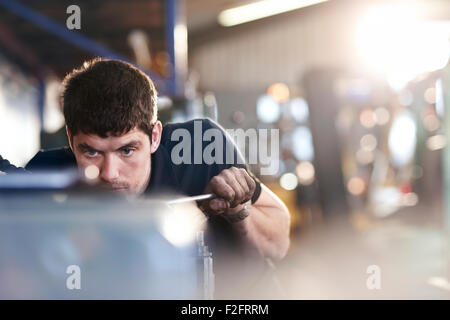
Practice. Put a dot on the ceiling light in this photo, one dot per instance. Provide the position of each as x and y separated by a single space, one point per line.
261 9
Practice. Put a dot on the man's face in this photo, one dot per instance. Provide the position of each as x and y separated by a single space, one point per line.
124 162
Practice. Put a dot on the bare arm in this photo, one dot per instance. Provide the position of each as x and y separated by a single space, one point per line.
266 228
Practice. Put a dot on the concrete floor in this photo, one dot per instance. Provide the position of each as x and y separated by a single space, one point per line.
330 261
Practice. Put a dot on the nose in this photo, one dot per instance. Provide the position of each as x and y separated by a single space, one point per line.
109 171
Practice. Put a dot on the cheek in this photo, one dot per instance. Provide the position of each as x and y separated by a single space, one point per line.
138 166
84 162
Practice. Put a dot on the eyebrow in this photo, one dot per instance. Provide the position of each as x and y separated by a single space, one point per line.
85 147
132 144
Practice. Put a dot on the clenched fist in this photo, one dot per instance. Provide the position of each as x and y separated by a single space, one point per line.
233 187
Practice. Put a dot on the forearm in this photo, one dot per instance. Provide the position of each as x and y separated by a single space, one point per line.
267 226
258 231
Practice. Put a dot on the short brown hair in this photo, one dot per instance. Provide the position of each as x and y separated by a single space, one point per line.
108 97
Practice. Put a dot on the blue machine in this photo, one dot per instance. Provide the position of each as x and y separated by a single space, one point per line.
52 241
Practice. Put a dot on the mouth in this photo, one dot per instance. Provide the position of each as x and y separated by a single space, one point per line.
116 188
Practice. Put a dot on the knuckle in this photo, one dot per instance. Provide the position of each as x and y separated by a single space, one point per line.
252 185
224 173
216 183
215 180
229 173
240 172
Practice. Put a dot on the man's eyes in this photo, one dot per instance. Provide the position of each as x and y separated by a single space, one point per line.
91 153
127 151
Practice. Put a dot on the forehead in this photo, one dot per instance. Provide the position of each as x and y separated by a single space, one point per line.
111 143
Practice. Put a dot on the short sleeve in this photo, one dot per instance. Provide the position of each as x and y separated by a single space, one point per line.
194 175
53 159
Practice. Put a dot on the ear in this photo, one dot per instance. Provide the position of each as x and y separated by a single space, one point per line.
156 136
69 136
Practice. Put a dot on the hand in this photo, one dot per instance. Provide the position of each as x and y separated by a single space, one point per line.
233 187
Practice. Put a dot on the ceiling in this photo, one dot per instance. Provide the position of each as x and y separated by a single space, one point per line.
44 42
108 22
203 13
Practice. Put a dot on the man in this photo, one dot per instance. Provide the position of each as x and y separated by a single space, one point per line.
111 120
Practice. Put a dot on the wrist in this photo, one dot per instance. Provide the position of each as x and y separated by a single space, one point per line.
238 213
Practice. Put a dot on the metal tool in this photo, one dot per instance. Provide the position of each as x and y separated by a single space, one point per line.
202 197
205 269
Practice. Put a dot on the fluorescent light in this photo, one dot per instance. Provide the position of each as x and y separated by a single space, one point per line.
261 9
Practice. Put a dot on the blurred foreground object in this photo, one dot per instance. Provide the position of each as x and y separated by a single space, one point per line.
124 248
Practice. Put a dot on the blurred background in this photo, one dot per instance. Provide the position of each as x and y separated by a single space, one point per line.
358 89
